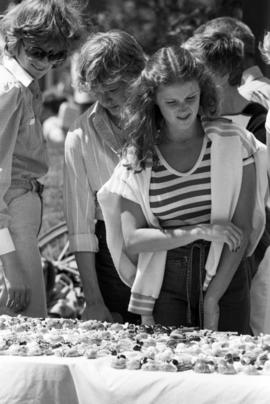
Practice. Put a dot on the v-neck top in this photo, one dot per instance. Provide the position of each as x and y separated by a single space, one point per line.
182 198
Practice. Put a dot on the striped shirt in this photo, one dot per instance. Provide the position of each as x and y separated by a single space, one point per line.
91 154
183 199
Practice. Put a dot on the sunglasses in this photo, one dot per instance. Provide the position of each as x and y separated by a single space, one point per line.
40 54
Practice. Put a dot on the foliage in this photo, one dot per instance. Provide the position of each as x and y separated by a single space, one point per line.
154 22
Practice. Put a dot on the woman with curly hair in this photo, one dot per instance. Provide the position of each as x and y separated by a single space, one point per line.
38 35
186 185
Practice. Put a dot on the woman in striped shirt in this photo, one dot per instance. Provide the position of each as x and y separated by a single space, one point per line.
179 159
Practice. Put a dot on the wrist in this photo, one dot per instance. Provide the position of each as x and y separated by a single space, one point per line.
91 301
9 257
147 316
196 232
10 263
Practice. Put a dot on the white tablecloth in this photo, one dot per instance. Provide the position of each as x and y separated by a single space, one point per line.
51 380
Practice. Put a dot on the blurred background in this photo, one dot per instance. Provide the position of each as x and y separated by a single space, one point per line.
154 23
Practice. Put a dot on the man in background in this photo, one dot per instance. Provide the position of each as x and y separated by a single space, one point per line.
254 85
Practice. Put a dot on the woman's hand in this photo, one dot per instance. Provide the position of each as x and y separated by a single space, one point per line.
148 320
226 233
17 287
97 311
210 313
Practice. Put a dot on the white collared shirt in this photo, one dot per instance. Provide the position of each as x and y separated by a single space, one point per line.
255 86
22 147
91 154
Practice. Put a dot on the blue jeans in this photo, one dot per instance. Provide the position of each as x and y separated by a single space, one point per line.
181 298
115 293
24 208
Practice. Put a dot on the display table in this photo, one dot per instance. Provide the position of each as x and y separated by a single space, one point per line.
52 380
65 361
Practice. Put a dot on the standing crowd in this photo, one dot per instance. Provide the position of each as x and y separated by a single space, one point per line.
166 173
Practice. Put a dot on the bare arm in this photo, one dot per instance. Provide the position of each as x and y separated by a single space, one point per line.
139 238
95 306
230 261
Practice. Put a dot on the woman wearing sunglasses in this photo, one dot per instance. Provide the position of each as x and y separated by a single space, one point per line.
37 35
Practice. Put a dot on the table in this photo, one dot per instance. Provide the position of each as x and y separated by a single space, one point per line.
54 380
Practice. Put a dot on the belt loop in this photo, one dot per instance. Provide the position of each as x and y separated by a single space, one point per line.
36 186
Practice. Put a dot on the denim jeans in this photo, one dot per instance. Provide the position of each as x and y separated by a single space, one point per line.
181 298
115 293
24 208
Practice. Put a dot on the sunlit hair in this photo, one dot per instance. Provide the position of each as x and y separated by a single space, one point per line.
167 66
264 47
234 27
44 21
108 57
222 53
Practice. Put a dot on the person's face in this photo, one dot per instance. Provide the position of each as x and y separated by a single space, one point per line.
179 103
112 97
37 60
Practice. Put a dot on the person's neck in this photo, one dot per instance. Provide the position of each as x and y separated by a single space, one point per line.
116 121
232 102
249 62
182 138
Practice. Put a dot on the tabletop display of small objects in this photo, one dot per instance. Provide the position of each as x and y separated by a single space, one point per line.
137 347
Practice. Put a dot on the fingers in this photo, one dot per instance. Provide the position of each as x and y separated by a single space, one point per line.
232 242
233 237
27 297
10 299
18 299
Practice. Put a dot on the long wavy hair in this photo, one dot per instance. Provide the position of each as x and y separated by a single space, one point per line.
142 116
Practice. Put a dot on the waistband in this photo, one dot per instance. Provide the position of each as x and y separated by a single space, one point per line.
186 249
31 184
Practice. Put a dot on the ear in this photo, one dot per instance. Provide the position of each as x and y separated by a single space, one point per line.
11 49
224 79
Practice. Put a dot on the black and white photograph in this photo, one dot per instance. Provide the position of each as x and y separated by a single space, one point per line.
134 202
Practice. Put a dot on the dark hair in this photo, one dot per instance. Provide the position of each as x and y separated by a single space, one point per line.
221 52
234 27
44 21
143 118
108 57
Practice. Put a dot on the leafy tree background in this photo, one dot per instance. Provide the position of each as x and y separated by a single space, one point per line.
153 22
